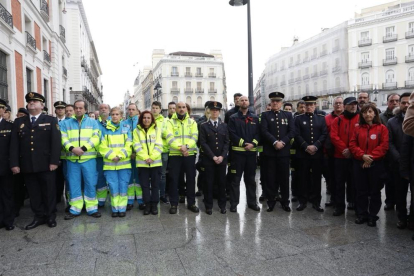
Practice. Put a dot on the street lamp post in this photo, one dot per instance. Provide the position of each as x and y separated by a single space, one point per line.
249 38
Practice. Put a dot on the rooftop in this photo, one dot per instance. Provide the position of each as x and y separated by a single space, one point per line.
191 54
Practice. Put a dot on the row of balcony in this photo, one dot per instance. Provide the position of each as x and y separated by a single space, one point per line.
385 39
176 90
6 16
385 62
190 75
388 85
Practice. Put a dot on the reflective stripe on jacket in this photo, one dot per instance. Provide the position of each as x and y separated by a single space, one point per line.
116 141
83 134
162 125
148 145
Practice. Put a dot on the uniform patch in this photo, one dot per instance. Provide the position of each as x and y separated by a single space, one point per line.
22 126
272 119
373 136
304 123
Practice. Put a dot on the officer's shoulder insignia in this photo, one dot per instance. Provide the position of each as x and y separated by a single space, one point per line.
10 121
22 126
321 115
204 123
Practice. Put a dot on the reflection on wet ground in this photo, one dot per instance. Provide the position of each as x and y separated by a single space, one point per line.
242 243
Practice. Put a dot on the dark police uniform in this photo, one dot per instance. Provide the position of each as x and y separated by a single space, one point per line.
34 147
277 126
310 130
6 176
214 141
60 178
243 129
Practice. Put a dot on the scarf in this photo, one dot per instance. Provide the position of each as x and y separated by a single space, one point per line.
349 115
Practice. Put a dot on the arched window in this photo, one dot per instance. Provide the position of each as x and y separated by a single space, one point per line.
188 100
325 86
175 99
315 87
199 102
389 76
365 79
307 89
411 74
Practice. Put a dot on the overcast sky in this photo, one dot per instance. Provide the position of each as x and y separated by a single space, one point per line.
125 33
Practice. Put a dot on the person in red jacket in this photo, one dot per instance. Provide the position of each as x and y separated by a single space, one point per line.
368 146
342 129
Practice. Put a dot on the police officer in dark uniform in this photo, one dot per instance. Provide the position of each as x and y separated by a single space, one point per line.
6 176
277 129
311 133
35 151
244 136
214 141
199 165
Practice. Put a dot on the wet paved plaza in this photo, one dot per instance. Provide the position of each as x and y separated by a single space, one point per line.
242 243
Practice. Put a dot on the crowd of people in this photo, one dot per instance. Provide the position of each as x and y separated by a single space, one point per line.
152 159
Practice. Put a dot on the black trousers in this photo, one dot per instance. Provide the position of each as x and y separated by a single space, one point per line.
401 190
309 183
368 185
60 183
390 191
277 178
243 164
294 180
201 174
229 176
175 165
216 175
263 173
42 191
20 191
344 173
150 179
182 183
6 200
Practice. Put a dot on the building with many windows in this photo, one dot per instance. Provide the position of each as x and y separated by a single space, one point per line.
381 50
85 71
189 77
33 51
260 96
316 66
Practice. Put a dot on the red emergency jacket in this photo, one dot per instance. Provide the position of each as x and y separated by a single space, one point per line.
341 133
372 140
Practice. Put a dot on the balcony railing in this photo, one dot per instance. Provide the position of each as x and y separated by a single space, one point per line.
199 90
390 38
282 83
188 90
409 58
298 79
314 75
44 9
290 81
364 64
290 64
305 59
366 87
364 42
335 49
6 16
323 53
30 41
389 61
64 72
305 77
282 68
174 74
336 69
323 72
175 90
188 74
199 75
212 75
314 57
62 33
389 85
409 34
212 91
409 84
46 56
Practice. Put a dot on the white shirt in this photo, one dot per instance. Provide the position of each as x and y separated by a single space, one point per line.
59 119
37 116
212 121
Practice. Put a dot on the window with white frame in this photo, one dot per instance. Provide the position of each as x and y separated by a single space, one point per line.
188 85
292 75
211 86
411 74
292 91
389 76
337 82
411 27
365 79
365 35
307 71
175 99
174 84
315 68
199 86
4 94
324 65
199 71
325 85
299 74
315 87
411 50
299 90
390 54
389 31
199 101
188 100
365 56
307 89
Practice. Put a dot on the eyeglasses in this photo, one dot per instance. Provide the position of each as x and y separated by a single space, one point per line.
339 103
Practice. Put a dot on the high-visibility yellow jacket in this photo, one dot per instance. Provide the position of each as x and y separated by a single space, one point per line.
182 132
116 141
63 150
148 145
84 134
162 125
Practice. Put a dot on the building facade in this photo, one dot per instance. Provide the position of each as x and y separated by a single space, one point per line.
317 66
381 50
33 51
148 90
189 77
85 71
260 96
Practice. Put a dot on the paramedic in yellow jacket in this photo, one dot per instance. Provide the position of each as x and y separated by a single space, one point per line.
116 149
182 138
148 146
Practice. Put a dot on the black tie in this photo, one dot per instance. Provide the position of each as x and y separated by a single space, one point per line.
215 124
33 120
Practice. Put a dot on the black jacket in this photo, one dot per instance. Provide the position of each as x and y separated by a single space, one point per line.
244 129
407 157
276 126
5 137
213 141
229 113
396 135
310 129
34 148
